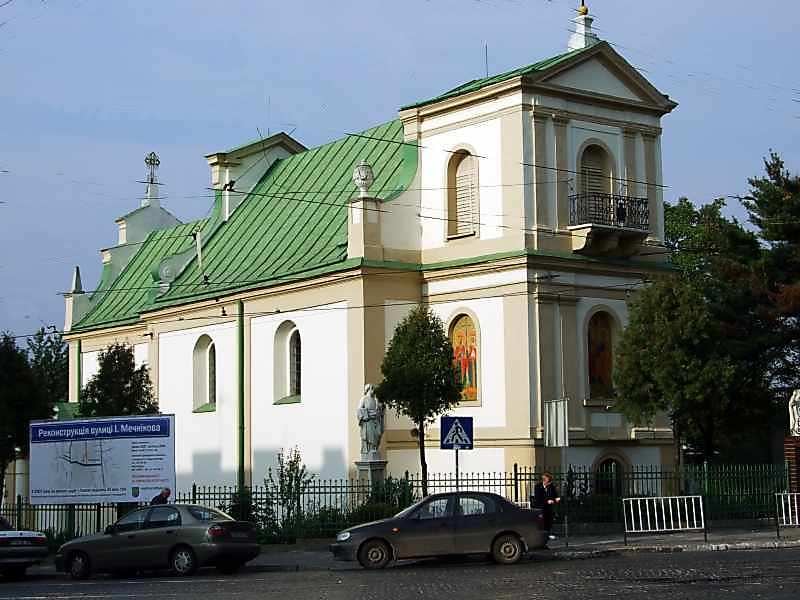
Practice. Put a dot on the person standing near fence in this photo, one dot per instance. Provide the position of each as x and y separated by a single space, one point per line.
545 498
161 497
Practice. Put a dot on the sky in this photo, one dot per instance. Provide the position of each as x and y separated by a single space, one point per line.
89 87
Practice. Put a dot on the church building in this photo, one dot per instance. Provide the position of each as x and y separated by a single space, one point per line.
524 208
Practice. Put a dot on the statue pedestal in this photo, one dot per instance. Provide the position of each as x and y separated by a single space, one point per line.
370 471
791 453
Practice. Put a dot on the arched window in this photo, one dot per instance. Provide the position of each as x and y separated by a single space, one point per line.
609 477
294 363
204 362
595 170
601 355
287 371
466 354
462 194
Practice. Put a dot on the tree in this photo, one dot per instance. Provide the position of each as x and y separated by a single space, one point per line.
119 388
698 343
773 206
49 360
21 401
420 379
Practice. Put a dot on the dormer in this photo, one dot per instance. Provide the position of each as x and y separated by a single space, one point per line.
237 170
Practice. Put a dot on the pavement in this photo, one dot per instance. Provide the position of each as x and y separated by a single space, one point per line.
769 574
313 555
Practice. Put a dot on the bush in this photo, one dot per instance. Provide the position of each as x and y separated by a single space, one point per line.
372 512
56 540
394 492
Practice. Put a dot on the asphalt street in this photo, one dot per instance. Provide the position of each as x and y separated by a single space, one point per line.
772 574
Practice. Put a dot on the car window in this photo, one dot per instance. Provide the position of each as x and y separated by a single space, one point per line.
434 509
5 525
163 516
201 513
133 521
475 505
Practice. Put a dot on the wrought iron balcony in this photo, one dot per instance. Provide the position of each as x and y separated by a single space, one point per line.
610 210
608 224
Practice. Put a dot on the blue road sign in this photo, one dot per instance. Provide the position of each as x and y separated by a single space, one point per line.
456 433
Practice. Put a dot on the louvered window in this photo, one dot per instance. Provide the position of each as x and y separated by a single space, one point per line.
595 171
462 195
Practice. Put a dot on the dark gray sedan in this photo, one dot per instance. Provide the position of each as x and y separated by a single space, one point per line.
445 524
19 549
180 537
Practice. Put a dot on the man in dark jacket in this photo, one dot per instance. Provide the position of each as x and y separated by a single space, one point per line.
161 497
545 497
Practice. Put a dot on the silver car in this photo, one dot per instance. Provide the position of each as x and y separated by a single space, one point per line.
180 537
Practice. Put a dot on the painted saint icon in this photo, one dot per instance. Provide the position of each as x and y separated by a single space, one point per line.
601 365
464 339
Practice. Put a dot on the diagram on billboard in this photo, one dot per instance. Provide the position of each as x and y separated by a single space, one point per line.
123 459
87 464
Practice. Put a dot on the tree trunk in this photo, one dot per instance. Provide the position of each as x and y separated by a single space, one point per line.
422 462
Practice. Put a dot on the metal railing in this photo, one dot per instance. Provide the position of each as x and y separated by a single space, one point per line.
787 510
592 499
664 514
611 210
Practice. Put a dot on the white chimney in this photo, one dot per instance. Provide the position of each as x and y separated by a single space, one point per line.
582 35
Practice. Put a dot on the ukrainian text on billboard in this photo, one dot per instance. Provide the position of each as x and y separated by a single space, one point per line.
117 459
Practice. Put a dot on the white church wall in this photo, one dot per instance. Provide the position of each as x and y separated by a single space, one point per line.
89 366
140 352
587 456
479 460
483 139
205 443
320 424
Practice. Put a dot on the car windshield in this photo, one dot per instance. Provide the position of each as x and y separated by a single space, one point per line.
202 513
5 525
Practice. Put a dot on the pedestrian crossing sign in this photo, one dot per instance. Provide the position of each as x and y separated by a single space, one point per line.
456 433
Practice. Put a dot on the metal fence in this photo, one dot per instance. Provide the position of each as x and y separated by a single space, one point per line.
664 514
591 499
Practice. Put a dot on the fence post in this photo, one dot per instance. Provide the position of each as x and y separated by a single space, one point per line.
706 518
777 517
19 511
194 493
97 521
516 482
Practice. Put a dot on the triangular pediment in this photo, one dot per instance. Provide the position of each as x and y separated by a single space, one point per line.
601 72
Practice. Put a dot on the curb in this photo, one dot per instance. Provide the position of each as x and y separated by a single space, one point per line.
666 548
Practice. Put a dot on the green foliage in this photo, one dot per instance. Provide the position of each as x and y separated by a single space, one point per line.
118 388
420 380
372 511
286 485
49 360
698 343
21 400
243 507
395 492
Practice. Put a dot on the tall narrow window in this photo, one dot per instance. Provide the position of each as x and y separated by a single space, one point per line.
601 357
287 368
462 195
294 364
464 339
204 371
595 171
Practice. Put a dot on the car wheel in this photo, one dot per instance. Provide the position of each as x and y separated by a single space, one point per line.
229 568
374 554
182 561
79 567
507 549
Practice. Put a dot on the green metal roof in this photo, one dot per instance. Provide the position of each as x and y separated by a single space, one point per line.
292 225
122 300
477 84
294 221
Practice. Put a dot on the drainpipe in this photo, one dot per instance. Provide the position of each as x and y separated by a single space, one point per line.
240 388
78 366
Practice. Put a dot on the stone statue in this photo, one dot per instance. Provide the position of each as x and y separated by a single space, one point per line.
370 420
794 414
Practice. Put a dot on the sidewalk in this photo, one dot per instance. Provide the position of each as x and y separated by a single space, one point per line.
313 555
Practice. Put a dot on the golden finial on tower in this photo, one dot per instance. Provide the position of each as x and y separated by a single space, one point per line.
583 10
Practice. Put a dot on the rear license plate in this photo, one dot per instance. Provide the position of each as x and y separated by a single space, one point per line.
239 534
20 542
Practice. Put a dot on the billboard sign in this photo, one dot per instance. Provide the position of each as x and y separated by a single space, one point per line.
109 459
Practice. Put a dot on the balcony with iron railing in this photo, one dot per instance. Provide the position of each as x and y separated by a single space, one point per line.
608 224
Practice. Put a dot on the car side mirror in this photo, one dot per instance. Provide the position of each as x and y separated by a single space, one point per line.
110 530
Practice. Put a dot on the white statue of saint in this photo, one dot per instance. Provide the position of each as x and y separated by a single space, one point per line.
794 414
370 420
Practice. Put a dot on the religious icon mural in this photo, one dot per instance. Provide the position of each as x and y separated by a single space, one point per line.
601 365
464 338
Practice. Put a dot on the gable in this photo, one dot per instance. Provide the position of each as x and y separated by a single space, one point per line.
593 76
